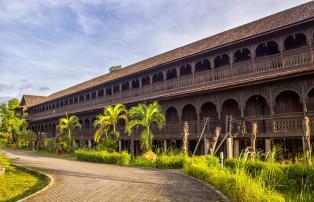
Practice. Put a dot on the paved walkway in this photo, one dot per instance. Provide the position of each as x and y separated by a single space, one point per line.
82 181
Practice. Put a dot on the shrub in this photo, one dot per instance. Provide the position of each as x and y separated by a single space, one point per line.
170 161
150 156
108 144
237 185
5 163
141 161
103 157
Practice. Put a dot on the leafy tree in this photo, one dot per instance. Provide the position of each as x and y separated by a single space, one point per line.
12 122
67 126
111 117
144 116
102 126
115 68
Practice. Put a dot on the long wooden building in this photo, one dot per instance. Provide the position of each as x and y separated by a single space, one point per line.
262 71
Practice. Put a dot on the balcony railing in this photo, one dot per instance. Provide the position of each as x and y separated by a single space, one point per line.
242 70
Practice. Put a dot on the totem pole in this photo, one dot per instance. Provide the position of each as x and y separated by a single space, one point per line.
214 141
306 140
185 138
253 137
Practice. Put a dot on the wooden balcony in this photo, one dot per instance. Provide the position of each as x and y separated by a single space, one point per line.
277 126
274 65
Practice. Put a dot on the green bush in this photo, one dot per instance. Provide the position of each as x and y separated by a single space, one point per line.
5 163
141 161
108 144
103 157
237 185
165 161
296 181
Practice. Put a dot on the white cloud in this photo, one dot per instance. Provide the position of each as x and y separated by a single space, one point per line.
59 43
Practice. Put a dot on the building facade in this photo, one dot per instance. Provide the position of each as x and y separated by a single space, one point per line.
260 72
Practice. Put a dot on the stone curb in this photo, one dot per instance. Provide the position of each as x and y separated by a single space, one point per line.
222 195
48 177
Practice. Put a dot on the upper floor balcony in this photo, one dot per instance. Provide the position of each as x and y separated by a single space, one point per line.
207 73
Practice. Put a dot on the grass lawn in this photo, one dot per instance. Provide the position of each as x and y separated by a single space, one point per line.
18 184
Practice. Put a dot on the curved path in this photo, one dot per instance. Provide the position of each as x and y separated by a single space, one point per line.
82 181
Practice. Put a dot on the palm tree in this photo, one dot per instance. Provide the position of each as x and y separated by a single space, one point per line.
67 126
144 116
102 126
112 115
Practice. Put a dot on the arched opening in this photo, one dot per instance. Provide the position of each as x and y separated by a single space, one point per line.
116 89
135 83
145 80
189 113
202 66
221 60
125 86
288 102
208 109
256 106
100 93
185 70
268 48
171 74
87 123
295 41
172 115
158 77
242 55
108 91
310 105
231 107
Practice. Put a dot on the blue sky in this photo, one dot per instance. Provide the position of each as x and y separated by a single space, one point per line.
49 45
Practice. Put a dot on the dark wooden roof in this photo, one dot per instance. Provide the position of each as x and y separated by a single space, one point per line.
264 25
29 100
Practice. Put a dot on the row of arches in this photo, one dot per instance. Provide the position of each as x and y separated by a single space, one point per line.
285 102
271 47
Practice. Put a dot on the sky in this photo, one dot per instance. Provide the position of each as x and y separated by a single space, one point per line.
49 45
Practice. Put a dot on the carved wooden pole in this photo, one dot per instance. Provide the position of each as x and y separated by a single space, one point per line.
253 137
185 137
214 141
306 139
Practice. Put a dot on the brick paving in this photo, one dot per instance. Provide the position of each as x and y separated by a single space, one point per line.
83 181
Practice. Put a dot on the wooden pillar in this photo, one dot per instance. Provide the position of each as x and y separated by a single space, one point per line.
304 98
193 71
267 145
120 146
206 146
165 145
229 148
236 147
132 145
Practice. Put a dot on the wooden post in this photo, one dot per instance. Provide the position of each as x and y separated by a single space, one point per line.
229 148
185 138
214 141
253 137
132 145
206 146
236 147
120 146
165 145
267 145
307 140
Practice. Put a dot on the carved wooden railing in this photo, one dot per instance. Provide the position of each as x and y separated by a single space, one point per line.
240 70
